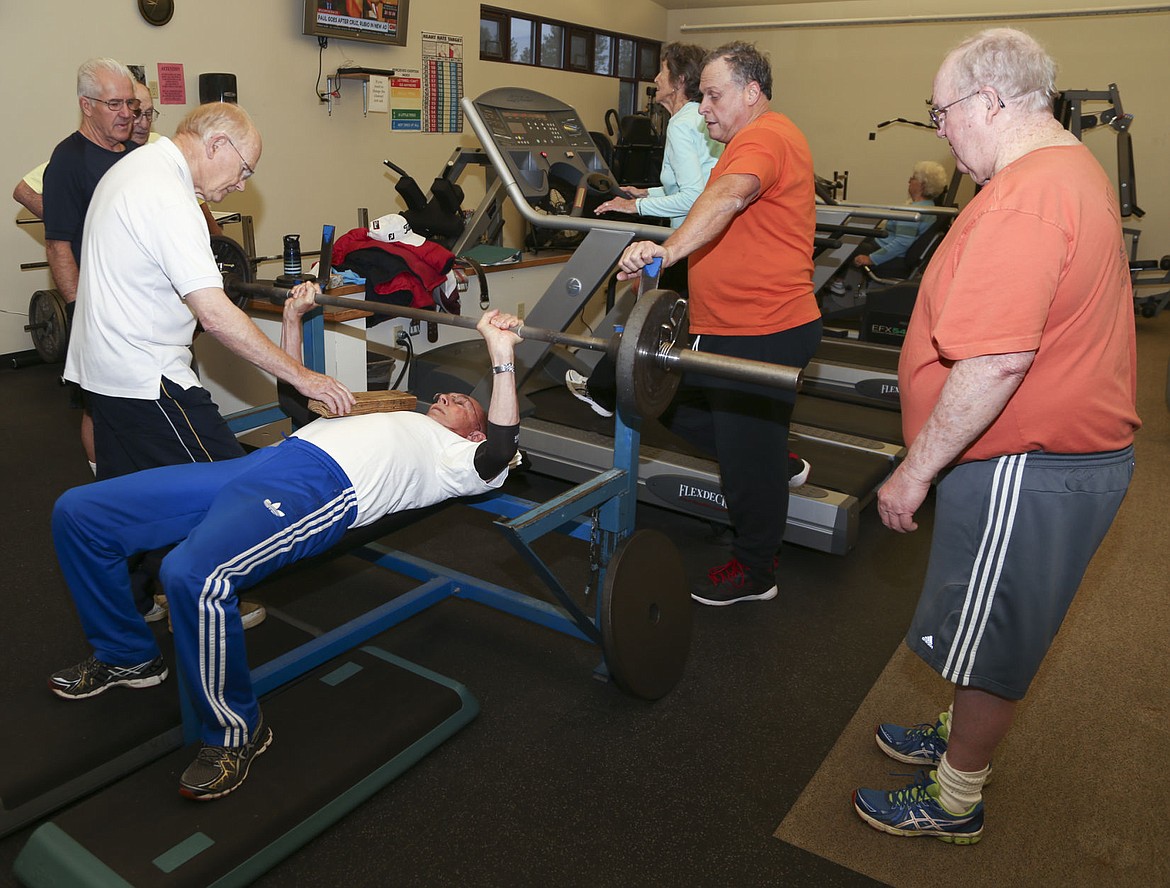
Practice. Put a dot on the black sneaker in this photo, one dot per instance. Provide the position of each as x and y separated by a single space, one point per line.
218 770
91 677
732 582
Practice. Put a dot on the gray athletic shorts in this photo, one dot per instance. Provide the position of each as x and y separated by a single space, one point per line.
1012 539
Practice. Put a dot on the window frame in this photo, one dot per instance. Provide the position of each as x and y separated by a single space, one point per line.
503 19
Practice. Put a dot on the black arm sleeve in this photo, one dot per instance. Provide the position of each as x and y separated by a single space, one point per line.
493 455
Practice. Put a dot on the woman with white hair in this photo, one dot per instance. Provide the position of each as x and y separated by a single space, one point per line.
927 181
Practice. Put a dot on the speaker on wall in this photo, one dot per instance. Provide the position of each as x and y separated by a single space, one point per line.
217 88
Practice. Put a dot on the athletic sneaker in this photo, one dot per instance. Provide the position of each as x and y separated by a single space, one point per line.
916 811
218 770
922 745
158 610
251 616
578 387
91 677
798 470
732 582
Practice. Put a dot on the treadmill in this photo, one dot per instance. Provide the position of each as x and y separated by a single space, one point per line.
530 139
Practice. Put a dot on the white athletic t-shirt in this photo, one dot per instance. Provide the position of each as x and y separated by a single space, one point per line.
145 247
399 460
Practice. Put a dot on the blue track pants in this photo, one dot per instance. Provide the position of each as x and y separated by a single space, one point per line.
234 523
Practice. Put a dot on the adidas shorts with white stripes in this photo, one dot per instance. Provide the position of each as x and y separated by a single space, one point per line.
1013 537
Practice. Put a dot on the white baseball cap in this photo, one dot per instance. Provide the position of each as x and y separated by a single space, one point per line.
394 229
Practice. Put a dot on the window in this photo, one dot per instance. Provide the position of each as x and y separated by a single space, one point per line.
552 45
625 58
491 35
520 33
602 44
525 39
580 50
648 61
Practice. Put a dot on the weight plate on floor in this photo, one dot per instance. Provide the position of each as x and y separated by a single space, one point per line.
646 615
48 322
644 387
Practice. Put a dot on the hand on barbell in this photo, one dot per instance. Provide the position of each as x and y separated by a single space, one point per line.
302 299
327 390
499 332
638 255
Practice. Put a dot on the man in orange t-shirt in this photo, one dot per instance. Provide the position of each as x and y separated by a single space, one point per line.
749 237
1018 381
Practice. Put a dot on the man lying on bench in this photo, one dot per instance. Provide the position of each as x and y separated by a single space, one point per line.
237 521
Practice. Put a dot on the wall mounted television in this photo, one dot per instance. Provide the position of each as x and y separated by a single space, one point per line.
374 21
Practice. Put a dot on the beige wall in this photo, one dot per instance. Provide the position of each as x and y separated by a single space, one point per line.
315 169
837 83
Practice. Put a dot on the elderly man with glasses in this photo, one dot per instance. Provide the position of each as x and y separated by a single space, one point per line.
147 276
1018 381
105 94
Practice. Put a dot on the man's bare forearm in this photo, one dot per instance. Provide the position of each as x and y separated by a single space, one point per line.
63 267
975 393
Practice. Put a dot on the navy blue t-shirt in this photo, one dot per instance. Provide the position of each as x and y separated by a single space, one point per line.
72 175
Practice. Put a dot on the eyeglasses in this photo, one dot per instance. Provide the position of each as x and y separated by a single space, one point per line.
247 172
938 115
150 114
117 104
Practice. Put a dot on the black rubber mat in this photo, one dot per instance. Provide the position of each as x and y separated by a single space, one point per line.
339 735
77 740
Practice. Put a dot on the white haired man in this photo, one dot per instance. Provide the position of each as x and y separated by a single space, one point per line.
1018 380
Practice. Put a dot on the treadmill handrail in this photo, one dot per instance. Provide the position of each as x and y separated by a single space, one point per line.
540 220
900 213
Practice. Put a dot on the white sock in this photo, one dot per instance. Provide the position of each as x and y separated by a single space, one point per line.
959 791
93 468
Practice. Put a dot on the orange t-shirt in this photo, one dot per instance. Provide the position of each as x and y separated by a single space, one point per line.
1034 263
756 277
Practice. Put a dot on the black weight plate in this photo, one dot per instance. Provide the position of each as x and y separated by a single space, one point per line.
232 260
646 615
48 323
644 388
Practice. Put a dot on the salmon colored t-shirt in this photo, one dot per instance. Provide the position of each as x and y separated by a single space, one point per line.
756 277
1034 263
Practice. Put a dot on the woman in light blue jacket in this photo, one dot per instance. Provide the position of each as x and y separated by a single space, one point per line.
690 153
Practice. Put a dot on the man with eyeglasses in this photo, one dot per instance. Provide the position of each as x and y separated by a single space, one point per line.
147 277
105 94
108 104
1018 381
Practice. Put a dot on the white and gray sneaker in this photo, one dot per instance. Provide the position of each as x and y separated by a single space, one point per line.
578 387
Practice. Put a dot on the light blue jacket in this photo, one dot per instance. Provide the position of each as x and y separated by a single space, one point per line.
901 235
687 161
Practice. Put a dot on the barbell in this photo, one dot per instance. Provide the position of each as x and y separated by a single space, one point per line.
49 322
649 352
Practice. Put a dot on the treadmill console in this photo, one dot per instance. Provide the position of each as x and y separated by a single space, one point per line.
538 137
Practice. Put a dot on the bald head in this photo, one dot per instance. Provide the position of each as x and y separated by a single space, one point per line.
221 145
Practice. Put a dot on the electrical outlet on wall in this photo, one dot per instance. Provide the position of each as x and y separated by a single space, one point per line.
521 309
